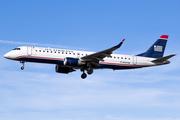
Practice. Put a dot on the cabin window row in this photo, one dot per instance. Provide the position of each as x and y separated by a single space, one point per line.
119 57
60 52
78 54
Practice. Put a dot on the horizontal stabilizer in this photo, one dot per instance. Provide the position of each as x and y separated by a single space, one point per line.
163 58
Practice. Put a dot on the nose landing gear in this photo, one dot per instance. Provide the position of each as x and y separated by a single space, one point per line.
22 68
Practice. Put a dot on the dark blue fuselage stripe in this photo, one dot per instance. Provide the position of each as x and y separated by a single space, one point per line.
61 62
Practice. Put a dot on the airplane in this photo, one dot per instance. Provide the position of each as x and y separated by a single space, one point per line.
68 61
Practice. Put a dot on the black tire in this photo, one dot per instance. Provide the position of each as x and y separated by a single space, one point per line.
89 71
83 76
22 68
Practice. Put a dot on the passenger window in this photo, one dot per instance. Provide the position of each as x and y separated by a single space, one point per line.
73 53
39 50
121 57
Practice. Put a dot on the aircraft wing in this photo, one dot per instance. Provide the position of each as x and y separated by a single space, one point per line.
96 57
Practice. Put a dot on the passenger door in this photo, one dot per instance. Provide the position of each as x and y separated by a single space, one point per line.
29 50
134 60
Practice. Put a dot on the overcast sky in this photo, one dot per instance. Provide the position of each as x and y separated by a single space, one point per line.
38 92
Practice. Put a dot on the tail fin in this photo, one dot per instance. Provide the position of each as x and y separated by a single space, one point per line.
157 49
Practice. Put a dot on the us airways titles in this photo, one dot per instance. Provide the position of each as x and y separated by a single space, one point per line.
57 50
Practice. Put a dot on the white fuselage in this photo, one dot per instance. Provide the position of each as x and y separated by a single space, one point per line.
68 60
52 56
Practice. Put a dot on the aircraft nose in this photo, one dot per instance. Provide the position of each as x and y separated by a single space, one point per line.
7 55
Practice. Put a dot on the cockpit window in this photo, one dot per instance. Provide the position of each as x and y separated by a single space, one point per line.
17 49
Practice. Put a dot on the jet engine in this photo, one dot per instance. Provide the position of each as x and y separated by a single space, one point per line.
66 70
72 62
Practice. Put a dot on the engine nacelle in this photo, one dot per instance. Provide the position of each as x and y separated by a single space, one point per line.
66 70
72 61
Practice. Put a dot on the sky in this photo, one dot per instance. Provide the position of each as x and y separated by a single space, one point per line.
38 92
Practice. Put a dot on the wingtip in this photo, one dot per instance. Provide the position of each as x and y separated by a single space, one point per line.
117 46
123 40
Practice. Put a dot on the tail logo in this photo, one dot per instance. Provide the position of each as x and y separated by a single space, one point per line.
158 48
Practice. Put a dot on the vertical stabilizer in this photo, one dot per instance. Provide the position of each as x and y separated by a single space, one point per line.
157 49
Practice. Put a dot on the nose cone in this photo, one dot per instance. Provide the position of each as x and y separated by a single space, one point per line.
7 55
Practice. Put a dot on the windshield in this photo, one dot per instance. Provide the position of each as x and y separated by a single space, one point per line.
17 49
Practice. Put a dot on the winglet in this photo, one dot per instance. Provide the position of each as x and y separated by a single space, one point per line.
119 45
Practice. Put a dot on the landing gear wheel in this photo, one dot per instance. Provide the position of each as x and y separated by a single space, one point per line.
22 68
83 76
89 71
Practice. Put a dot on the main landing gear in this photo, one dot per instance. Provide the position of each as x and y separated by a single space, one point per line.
22 68
83 76
89 72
